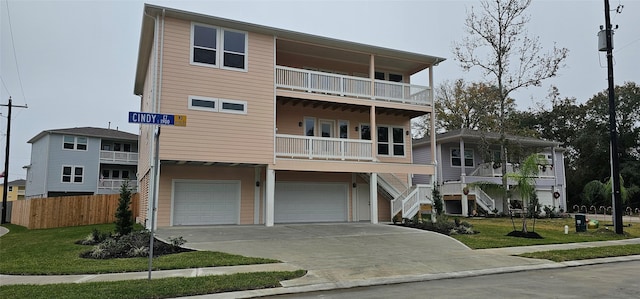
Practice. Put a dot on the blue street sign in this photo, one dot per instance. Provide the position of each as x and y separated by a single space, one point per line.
157 119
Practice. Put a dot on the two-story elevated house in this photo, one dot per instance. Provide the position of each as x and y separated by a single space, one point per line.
81 161
282 126
468 159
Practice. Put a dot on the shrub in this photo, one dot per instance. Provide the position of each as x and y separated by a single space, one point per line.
124 216
135 244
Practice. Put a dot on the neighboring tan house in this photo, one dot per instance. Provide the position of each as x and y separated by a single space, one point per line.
281 126
453 176
15 190
81 161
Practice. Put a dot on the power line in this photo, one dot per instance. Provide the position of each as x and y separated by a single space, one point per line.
5 86
15 57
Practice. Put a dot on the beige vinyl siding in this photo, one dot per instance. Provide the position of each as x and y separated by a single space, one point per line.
217 136
245 175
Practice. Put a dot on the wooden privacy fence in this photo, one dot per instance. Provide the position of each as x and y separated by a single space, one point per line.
69 210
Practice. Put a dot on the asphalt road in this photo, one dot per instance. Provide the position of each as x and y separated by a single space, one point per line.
614 280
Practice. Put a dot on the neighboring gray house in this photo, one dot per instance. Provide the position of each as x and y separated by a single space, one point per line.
81 161
454 176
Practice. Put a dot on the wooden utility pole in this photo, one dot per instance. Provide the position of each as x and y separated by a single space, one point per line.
613 132
6 163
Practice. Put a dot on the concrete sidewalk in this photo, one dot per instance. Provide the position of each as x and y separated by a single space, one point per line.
341 256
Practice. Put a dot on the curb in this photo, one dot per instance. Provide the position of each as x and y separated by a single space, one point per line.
412 278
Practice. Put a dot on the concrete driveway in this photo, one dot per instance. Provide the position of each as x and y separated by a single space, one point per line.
341 252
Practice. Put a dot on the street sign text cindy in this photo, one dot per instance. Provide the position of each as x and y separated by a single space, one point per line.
157 119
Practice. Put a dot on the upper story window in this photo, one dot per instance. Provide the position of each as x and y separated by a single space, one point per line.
74 143
72 174
390 141
210 44
456 158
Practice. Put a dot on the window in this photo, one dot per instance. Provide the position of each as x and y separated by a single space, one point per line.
390 141
202 103
468 157
126 147
395 77
106 174
232 106
343 129
205 44
309 126
117 147
326 128
383 141
125 174
206 41
234 49
10 188
72 174
365 132
106 147
74 143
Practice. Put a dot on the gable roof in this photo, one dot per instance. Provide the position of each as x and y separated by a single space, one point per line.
89 132
475 135
420 61
20 182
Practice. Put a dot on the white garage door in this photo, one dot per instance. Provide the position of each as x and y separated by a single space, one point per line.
310 202
206 202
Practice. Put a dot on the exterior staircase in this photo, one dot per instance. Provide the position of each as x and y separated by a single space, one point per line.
406 199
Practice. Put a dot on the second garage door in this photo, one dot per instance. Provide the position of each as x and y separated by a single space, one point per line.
310 202
206 202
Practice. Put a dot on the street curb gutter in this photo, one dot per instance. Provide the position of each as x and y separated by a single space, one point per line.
412 278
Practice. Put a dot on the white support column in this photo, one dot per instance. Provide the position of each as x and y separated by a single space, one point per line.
372 74
463 174
270 197
373 190
374 133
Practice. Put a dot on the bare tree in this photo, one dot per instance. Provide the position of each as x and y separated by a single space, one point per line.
498 43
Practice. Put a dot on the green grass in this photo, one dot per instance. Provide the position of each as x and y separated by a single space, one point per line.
156 288
585 253
52 251
493 233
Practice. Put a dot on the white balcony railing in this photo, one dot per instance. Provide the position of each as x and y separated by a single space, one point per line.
336 84
118 157
115 184
495 170
294 146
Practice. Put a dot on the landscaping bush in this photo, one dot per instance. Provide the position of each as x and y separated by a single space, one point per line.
135 244
443 226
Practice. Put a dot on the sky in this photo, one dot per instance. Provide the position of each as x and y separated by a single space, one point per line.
73 62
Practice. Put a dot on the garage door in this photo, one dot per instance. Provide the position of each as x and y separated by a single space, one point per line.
310 202
206 202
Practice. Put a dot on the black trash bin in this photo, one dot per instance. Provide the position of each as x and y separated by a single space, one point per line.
581 223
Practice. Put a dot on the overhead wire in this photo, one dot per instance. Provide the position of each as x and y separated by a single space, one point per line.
15 56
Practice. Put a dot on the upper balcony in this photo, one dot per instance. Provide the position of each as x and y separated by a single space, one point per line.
492 169
323 148
352 86
114 157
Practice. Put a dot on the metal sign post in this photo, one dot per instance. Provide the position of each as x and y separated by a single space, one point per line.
157 120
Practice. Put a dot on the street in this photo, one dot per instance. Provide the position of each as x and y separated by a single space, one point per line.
614 280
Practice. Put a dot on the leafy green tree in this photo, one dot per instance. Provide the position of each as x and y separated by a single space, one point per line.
124 215
498 44
525 179
593 194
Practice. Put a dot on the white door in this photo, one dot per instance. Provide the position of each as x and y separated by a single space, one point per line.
326 128
363 202
206 202
310 202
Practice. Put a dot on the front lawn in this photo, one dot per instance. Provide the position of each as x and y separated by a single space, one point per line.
52 252
493 233
585 253
156 288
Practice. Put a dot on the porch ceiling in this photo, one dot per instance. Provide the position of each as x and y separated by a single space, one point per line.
382 62
335 106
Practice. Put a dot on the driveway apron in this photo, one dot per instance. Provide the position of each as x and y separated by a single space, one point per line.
341 252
